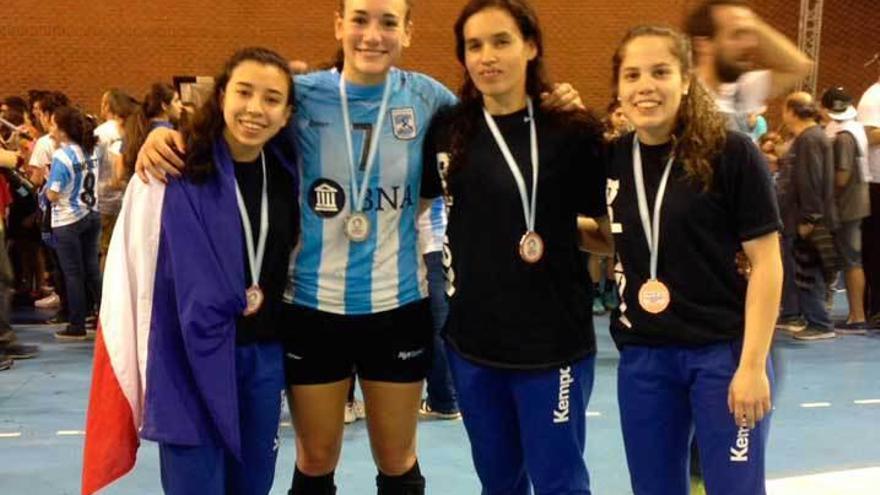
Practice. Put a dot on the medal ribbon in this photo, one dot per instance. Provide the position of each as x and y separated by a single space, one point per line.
528 210
255 258
652 234
360 193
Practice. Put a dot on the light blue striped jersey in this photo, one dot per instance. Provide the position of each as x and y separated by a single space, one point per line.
74 177
327 271
432 227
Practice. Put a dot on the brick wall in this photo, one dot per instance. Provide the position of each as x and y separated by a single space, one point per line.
86 47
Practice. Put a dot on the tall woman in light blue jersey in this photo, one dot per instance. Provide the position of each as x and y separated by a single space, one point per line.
358 288
76 224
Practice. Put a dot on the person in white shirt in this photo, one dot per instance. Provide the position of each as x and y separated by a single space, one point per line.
741 59
116 106
869 116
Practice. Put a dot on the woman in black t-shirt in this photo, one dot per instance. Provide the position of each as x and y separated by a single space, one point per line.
694 335
519 329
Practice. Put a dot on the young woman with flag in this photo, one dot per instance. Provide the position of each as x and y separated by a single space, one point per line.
193 298
516 178
684 196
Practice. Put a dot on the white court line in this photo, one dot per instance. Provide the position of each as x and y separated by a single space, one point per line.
593 414
811 405
850 482
69 433
865 402
10 435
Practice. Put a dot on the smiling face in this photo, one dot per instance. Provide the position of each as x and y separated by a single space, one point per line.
255 107
651 86
496 55
373 34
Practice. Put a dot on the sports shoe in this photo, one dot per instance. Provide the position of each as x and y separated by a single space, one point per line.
598 306
791 324
349 416
21 351
50 301
425 412
844 328
813 333
610 299
5 362
58 319
71 335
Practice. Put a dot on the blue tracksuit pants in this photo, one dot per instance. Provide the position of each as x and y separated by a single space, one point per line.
667 393
210 469
527 428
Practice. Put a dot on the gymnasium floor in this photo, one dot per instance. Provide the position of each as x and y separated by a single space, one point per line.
825 436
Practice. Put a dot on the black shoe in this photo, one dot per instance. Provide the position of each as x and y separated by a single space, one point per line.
21 351
71 334
56 320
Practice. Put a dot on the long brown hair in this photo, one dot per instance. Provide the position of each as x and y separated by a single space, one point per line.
700 132
137 124
465 119
208 123
78 127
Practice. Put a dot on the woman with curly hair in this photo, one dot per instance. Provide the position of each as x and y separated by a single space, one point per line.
684 196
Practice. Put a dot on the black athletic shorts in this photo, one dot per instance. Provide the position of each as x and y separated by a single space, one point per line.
391 346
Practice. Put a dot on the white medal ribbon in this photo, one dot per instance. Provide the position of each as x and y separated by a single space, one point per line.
652 234
359 194
255 258
528 210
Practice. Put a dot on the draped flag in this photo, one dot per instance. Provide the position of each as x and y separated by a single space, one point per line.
116 400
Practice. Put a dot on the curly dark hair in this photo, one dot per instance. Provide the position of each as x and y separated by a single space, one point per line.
467 115
207 124
700 131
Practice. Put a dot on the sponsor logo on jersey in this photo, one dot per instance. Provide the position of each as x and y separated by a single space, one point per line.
740 451
407 355
388 198
563 407
403 122
326 198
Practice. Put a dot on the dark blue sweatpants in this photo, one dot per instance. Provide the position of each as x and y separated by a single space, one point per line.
665 394
526 428
210 469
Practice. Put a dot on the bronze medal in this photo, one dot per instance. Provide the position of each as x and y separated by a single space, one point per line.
531 247
254 297
654 296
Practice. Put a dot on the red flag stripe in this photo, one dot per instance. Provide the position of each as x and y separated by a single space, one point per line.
111 438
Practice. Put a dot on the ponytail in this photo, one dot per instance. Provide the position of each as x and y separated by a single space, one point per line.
79 127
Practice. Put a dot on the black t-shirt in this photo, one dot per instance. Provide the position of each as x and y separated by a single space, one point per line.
283 232
700 234
504 312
